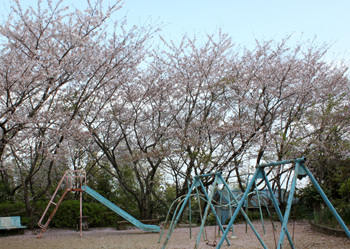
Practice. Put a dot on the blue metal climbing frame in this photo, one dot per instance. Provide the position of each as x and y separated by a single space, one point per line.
299 170
197 183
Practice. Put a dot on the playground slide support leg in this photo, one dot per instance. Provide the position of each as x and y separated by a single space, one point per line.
326 200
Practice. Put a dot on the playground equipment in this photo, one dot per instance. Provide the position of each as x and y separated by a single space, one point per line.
229 203
299 170
197 183
75 180
256 201
180 200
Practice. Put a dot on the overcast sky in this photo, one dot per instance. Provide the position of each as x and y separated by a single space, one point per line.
243 20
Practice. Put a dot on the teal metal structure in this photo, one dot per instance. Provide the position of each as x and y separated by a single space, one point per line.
121 212
197 183
300 170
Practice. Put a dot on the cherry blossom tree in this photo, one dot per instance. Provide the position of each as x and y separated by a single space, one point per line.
131 132
54 61
197 73
288 83
72 87
250 102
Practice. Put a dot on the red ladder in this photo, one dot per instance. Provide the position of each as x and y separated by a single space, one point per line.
74 181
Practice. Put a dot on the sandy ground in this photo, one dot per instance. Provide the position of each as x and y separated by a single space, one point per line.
304 237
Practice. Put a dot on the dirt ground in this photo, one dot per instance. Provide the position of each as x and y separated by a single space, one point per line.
303 236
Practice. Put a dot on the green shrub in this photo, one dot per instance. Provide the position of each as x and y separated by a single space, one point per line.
211 220
68 213
100 215
254 215
345 215
325 217
12 209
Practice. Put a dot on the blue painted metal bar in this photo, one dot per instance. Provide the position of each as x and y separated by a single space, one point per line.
205 175
275 203
238 209
230 208
171 228
166 219
189 207
268 212
206 209
289 207
217 174
246 206
326 200
176 212
259 203
298 160
220 193
200 211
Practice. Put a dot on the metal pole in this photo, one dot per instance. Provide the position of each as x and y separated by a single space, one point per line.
220 208
289 206
213 209
326 200
81 214
166 219
259 203
230 207
171 228
200 211
206 212
238 209
275 203
298 160
189 206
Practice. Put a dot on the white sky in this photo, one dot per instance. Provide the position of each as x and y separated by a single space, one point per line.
243 20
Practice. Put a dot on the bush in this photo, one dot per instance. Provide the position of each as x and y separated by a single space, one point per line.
68 213
253 215
345 215
12 209
211 220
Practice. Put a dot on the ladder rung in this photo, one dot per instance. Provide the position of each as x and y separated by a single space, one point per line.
54 203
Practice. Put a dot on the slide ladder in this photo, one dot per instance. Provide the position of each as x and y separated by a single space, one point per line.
121 212
73 181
